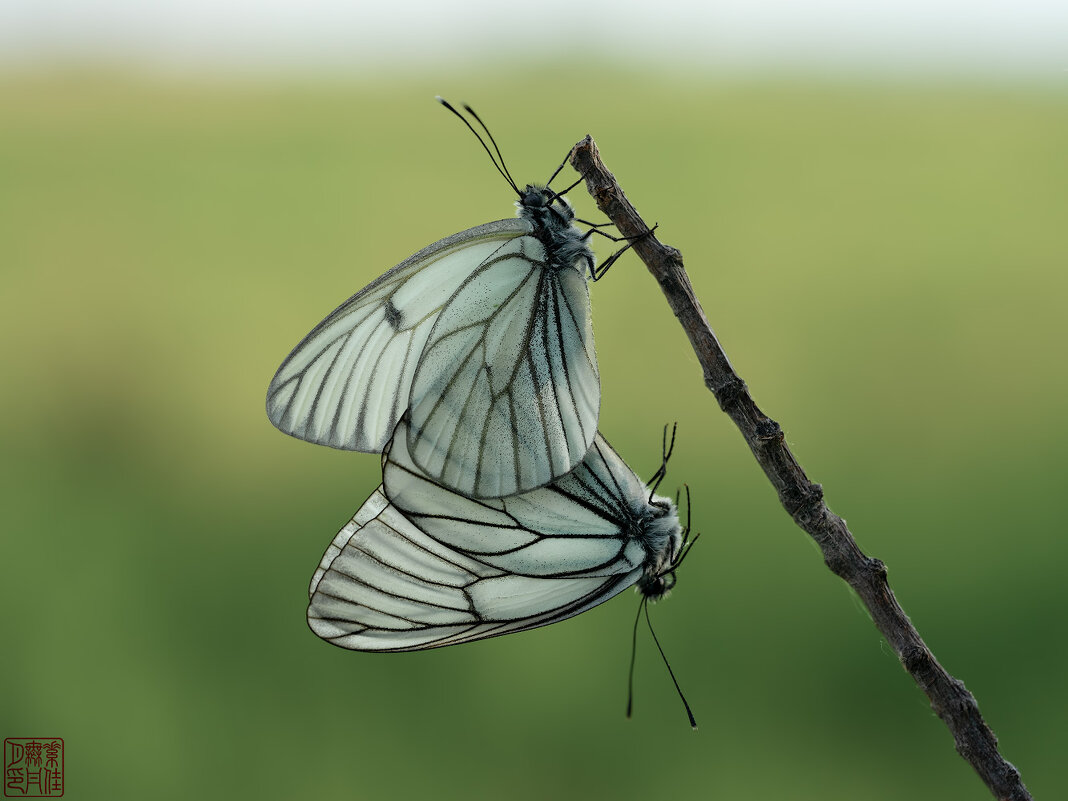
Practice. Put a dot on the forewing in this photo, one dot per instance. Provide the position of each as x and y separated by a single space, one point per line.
421 567
506 394
348 381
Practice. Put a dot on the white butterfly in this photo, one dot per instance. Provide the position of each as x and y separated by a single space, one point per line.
420 566
484 335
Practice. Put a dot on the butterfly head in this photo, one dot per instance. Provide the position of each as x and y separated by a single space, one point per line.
540 201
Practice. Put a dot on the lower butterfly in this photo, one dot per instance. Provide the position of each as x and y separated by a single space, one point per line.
420 566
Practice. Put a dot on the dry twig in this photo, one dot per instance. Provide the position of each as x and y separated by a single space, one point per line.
801 498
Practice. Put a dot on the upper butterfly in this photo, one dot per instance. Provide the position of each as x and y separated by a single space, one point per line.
484 335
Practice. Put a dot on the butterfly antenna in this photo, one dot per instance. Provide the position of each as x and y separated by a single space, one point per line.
633 655
500 167
500 156
678 689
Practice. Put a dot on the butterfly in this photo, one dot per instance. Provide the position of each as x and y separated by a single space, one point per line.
421 566
484 337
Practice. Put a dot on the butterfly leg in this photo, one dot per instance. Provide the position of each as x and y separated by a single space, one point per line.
666 449
557 172
599 273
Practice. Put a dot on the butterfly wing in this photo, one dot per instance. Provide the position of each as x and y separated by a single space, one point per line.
347 383
420 566
506 395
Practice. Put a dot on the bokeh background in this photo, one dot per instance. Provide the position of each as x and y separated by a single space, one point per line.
872 208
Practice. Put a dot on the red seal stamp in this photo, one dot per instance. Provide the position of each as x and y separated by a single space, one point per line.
33 767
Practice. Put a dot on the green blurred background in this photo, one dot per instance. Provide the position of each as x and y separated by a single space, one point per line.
883 262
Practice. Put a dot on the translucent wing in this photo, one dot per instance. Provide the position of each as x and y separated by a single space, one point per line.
385 585
420 566
347 383
506 395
